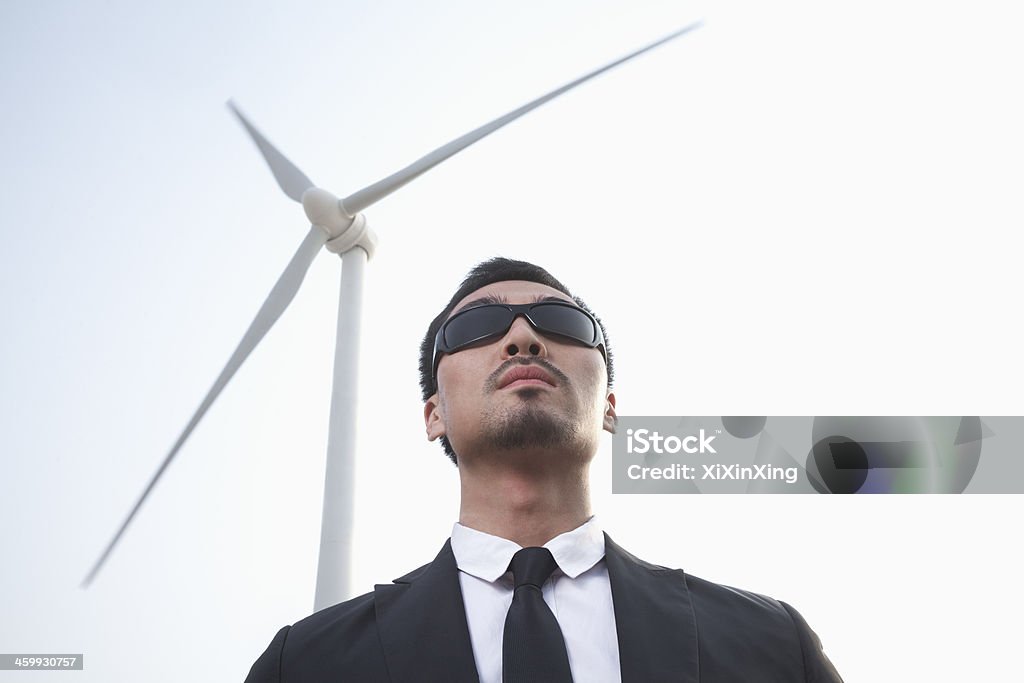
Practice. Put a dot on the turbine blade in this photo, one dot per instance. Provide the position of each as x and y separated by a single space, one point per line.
371 194
293 181
276 303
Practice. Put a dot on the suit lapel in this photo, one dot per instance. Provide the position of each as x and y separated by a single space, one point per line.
422 624
654 619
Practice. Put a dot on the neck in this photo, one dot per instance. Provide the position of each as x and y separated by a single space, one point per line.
523 505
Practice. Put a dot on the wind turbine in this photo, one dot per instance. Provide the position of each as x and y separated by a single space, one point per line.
339 225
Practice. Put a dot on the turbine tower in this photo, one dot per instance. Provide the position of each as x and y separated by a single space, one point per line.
339 225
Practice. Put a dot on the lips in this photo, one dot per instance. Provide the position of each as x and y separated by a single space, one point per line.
524 375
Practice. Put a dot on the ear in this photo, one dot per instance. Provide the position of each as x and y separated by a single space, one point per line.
433 418
611 420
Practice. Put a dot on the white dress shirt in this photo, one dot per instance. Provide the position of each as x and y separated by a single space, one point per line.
578 594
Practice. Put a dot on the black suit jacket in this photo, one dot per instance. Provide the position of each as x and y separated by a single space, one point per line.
671 627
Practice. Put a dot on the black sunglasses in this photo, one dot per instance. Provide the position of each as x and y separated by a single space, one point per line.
479 323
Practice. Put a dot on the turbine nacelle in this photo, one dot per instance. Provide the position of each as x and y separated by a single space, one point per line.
344 231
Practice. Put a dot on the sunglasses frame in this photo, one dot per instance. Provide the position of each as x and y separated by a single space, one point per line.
441 345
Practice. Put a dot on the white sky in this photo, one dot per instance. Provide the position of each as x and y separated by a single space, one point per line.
801 209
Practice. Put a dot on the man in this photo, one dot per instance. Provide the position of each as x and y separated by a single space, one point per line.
516 377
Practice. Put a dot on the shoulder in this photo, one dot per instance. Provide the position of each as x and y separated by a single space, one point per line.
728 601
729 606
343 637
708 599
352 618
346 618
308 650
755 626
725 613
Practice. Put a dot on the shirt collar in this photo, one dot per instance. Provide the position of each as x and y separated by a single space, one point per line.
487 557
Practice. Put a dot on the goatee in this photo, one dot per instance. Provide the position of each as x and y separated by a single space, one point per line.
529 426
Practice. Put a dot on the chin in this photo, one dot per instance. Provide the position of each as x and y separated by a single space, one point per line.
529 425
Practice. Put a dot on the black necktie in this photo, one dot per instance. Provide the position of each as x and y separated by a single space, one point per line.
533 650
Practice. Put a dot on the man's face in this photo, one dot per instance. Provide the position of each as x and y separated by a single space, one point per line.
524 394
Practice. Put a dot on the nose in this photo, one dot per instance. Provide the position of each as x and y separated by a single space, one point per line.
522 340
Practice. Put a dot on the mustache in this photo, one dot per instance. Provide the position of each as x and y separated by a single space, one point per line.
491 384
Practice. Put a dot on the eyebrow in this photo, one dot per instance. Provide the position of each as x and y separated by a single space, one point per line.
491 299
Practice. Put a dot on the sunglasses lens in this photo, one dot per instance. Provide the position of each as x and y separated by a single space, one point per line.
476 324
566 321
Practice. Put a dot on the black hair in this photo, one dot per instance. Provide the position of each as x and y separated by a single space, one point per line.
497 269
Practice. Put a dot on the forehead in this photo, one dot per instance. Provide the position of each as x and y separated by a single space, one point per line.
510 292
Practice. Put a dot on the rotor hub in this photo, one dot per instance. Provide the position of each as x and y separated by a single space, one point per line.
344 232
